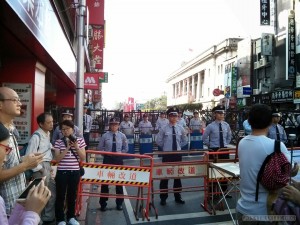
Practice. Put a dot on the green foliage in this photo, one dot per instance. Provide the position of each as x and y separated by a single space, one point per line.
157 103
190 107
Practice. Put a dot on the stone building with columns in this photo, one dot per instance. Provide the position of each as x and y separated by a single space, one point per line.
203 79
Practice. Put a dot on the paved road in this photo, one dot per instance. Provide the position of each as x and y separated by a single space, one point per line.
191 213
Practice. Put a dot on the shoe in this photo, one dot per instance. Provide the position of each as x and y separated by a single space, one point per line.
228 196
103 208
179 200
119 207
163 202
52 222
62 223
72 221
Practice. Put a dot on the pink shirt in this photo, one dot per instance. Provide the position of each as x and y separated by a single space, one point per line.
18 216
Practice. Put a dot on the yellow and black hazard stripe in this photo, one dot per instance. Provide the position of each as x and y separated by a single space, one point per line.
117 168
114 182
221 178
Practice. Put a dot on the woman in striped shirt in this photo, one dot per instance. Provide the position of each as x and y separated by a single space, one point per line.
68 175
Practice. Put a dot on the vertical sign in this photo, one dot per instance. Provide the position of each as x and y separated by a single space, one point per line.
234 81
97 45
264 12
23 122
291 48
96 11
267 44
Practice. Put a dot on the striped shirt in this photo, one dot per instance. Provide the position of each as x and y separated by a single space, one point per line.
69 162
12 188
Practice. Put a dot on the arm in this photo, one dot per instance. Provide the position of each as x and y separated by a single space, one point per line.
159 138
205 136
229 135
79 146
55 135
3 215
28 162
58 156
33 146
77 132
184 139
101 145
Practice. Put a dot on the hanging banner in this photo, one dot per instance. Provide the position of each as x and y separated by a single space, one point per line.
96 11
264 12
97 45
23 122
291 48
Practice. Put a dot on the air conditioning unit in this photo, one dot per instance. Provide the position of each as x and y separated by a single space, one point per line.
256 65
263 62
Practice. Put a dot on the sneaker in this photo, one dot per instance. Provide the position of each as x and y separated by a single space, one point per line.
62 223
72 221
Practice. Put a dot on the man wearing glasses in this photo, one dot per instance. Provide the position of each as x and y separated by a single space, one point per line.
12 178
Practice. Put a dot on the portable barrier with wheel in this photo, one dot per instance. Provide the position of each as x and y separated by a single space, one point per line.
146 143
212 202
175 170
196 141
123 175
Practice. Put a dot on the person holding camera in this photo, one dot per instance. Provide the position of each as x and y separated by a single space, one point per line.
113 141
69 150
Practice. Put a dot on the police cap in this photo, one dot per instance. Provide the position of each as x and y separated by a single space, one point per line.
67 112
276 113
219 109
173 111
114 120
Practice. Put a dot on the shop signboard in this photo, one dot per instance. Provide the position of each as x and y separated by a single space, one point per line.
91 81
264 12
97 45
96 11
23 122
281 96
234 81
296 96
291 48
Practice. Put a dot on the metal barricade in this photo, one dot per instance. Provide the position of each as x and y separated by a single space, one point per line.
122 175
177 170
210 183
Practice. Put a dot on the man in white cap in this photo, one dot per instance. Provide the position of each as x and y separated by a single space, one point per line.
276 131
57 134
171 138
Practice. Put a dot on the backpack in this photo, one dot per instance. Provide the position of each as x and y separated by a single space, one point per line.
274 172
28 173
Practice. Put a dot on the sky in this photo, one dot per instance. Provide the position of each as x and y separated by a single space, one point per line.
147 40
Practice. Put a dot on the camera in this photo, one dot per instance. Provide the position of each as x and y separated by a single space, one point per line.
72 138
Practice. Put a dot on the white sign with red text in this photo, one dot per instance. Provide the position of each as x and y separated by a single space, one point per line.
180 171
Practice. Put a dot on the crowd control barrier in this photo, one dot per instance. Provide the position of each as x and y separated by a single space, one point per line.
212 201
173 170
146 143
123 175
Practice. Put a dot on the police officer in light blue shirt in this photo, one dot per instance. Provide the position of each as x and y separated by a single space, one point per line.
276 131
218 133
113 141
171 138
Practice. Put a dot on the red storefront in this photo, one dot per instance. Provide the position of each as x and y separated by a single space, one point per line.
38 56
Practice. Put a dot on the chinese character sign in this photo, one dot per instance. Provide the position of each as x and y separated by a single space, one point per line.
97 45
291 48
96 11
264 12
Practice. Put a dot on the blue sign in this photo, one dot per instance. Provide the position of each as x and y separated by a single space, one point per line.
247 90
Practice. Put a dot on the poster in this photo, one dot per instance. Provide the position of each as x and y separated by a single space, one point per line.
23 122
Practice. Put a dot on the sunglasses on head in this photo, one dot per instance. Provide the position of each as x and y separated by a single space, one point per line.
8 149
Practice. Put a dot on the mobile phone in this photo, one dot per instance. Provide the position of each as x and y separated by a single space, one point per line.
27 189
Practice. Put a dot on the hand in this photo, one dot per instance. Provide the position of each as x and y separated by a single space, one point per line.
32 160
37 198
295 170
291 193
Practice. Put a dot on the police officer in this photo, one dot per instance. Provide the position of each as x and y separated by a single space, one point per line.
161 121
171 138
218 135
126 126
145 126
112 141
57 134
181 121
196 124
87 126
276 131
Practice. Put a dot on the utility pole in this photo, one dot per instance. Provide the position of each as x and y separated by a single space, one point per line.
80 65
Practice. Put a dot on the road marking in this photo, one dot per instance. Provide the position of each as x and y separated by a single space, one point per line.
173 216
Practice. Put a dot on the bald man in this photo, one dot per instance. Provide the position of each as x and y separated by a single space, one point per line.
12 178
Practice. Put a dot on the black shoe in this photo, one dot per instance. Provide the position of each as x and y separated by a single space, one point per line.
49 222
163 202
103 208
228 196
119 207
179 200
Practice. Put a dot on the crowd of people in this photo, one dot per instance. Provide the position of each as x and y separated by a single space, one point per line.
52 201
